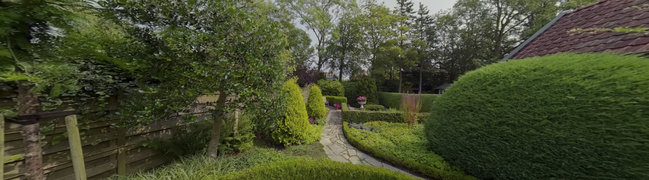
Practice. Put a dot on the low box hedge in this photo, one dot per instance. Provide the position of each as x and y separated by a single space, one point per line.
315 169
367 116
336 100
393 100
403 146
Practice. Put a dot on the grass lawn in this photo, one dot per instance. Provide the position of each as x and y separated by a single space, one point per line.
403 146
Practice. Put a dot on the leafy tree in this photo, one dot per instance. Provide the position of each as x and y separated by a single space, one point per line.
423 21
347 44
378 24
199 47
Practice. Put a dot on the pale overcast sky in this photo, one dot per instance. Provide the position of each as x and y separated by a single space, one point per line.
433 5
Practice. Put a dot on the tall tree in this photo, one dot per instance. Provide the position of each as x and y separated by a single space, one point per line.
347 44
405 10
378 27
422 25
200 47
319 16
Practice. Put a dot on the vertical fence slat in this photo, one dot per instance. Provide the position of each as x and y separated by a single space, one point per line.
2 146
75 147
121 152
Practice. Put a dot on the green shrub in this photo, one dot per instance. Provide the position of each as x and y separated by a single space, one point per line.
185 140
351 92
316 105
331 88
315 169
336 100
393 100
402 146
374 107
344 107
294 127
367 87
367 116
240 142
564 116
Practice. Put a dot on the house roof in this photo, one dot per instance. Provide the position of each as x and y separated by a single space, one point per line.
619 26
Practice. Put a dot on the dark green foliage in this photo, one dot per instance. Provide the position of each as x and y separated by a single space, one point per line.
240 142
568 116
294 127
344 107
351 92
331 88
367 116
374 107
367 87
393 100
186 140
336 100
402 146
315 169
316 105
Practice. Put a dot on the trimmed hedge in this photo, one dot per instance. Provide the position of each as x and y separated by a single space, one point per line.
344 107
316 105
373 107
294 127
336 100
331 88
403 146
315 169
367 116
393 100
567 116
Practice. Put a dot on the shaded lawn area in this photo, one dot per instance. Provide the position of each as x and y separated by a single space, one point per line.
403 146
202 167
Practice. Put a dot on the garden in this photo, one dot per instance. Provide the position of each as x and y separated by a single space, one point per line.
144 90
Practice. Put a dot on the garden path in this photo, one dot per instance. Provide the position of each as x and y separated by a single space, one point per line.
338 149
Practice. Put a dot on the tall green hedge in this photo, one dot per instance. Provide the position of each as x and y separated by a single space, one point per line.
331 87
316 105
564 116
393 100
294 127
387 116
315 169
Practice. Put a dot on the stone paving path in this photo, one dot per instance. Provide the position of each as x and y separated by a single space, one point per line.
338 149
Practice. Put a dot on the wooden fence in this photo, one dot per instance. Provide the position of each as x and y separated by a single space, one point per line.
107 151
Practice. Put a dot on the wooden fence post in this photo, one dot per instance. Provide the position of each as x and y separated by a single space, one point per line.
2 146
75 147
121 152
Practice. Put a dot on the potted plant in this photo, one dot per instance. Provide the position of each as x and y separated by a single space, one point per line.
361 100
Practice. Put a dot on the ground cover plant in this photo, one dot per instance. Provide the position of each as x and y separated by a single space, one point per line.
403 146
315 169
567 116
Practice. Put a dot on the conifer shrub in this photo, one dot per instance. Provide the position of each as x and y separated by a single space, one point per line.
316 105
331 87
567 116
294 126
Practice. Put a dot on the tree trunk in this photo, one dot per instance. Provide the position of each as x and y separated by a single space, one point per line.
235 125
421 69
28 104
400 80
215 136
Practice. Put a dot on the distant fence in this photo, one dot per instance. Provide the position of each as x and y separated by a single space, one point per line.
107 150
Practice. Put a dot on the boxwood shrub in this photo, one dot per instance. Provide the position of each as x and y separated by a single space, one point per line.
336 100
316 106
294 126
315 169
393 100
367 116
567 116
373 107
331 88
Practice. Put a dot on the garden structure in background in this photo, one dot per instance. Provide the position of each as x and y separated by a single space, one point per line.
567 116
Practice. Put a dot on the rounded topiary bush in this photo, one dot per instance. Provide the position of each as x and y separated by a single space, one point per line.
294 127
316 105
568 116
331 88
